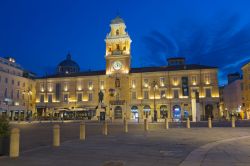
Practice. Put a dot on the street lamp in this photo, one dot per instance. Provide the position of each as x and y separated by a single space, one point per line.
155 86
28 92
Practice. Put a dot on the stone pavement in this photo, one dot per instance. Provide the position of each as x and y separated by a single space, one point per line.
217 146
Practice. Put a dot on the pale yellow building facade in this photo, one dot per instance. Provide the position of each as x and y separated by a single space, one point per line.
246 88
131 93
17 91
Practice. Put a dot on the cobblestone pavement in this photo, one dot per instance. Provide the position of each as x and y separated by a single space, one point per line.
157 147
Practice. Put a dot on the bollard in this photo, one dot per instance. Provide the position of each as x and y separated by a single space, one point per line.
188 123
56 135
105 128
125 125
233 121
14 142
82 131
209 123
166 123
145 124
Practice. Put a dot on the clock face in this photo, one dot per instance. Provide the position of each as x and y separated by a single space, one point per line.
117 65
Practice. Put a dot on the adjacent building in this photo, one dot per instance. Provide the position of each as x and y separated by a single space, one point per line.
132 93
17 90
246 88
232 97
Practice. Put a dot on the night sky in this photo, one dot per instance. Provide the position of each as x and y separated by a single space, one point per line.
39 33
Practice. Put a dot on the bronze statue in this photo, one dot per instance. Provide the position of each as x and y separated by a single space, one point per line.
101 95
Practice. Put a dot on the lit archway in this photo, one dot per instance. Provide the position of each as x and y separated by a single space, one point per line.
134 111
163 111
146 110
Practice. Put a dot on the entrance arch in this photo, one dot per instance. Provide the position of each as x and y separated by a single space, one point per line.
163 111
134 111
118 112
146 110
208 111
177 113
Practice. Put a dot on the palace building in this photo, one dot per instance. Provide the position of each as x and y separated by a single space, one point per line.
176 90
17 90
246 88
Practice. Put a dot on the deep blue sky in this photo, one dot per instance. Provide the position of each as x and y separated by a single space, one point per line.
39 33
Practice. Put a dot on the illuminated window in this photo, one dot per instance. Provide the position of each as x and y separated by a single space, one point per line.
133 83
42 98
133 95
162 81
90 85
208 92
145 82
207 78
79 97
163 94
146 95
102 85
90 96
49 98
194 80
176 94
65 97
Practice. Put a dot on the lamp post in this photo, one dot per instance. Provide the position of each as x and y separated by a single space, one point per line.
28 92
154 85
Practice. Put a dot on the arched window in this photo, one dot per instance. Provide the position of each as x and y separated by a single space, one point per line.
163 111
117 32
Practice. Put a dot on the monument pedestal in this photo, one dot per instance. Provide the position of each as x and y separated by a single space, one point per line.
100 113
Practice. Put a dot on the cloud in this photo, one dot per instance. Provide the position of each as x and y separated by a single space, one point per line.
222 42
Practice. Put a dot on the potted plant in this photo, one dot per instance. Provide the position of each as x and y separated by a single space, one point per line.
4 136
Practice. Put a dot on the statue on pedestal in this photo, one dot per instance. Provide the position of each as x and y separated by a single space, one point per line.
100 95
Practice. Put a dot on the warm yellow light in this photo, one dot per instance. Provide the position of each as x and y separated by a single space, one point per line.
175 83
50 89
79 88
156 97
65 88
194 83
90 87
42 90
133 86
102 87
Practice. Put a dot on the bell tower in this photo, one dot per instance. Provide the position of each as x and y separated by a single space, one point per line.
117 48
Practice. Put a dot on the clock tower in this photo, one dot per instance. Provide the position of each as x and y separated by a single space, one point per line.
117 48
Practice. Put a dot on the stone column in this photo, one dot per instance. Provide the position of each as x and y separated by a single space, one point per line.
209 122
82 131
105 128
14 142
188 123
145 124
56 135
233 121
166 123
125 125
